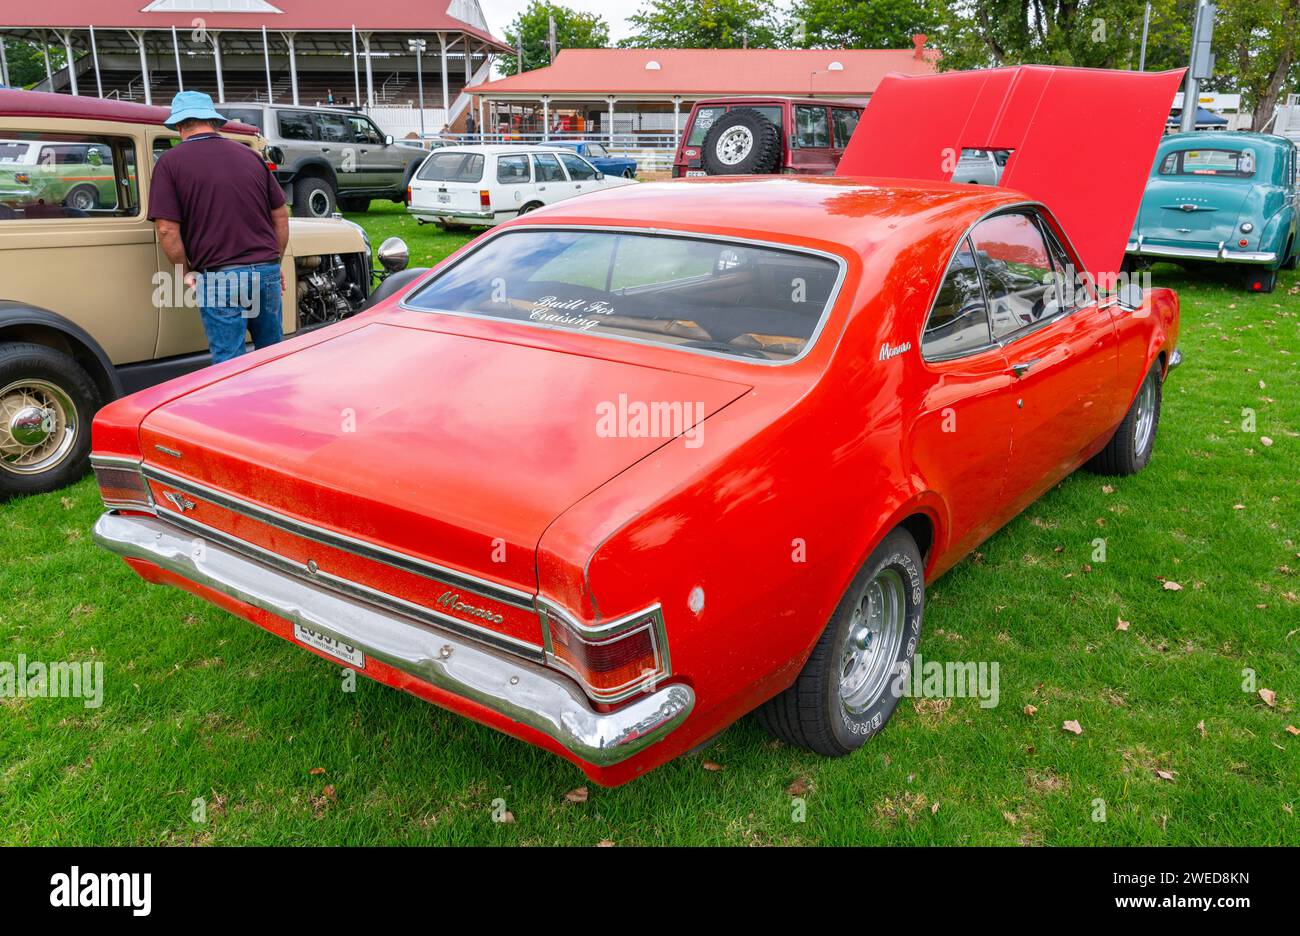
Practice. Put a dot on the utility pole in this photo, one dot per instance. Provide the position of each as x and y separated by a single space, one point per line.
550 32
1146 24
1202 64
417 46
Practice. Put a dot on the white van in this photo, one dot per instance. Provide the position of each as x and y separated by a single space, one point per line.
458 186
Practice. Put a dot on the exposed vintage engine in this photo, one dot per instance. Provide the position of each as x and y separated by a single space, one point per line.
330 287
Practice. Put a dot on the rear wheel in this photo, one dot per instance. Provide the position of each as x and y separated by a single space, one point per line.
82 198
1260 280
629 173
47 401
313 197
1130 448
1292 255
742 142
853 679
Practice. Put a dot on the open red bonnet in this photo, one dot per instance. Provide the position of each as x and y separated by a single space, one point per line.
1082 140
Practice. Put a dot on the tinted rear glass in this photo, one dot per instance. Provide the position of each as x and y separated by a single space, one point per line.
734 299
453 167
249 115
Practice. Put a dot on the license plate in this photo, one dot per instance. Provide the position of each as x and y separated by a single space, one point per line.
692 173
330 646
444 198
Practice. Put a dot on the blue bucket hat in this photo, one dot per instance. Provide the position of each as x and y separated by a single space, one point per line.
193 105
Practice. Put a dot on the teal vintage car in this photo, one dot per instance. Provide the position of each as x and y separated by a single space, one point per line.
1221 197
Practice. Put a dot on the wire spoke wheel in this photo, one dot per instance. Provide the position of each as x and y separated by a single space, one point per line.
38 426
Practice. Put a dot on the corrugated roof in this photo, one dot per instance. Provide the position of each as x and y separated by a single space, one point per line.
697 72
306 15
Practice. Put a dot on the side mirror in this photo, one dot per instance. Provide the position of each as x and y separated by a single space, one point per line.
388 139
394 255
1130 296
599 176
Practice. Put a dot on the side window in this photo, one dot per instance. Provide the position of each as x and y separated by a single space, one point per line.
363 131
512 170
296 125
579 169
811 130
845 122
162 145
333 128
1017 271
50 176
1071 281
547 168
959 321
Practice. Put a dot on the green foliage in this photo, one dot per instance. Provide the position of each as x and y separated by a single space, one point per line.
27 64
872 24
704 24
530 32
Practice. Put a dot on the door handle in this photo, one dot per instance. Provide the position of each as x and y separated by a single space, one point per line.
1023 367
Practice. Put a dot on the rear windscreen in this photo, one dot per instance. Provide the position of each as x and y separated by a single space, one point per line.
452 167
732 298
1236 164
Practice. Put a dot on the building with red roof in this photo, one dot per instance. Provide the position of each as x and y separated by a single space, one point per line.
649 91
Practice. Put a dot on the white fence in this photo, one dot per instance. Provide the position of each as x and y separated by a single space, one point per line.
401 121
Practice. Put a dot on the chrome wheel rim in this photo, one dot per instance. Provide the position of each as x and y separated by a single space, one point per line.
1146 416
38 426
734 145
874 638
82 200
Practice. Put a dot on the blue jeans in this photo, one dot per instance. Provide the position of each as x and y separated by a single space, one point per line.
239 299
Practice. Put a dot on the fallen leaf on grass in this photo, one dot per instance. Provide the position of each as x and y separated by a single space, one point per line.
604 843
1269 697
1172 586
316 771
1165 774
798 788
1200 726
1107 489
1010 817
1031 710
1073 727
577 796
1292 730
934 808
1265 441
1121 624
710 765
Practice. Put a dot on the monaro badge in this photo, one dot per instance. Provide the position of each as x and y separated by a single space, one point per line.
451 601
179 501
888 351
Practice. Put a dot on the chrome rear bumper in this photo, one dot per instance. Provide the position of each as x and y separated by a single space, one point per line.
1220 255
521 691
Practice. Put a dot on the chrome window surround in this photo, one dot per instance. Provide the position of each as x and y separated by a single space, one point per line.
828 307
651 619
1037 211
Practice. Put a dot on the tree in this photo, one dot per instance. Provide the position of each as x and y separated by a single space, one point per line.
530 33
704 24
1255 41
869 24
27 64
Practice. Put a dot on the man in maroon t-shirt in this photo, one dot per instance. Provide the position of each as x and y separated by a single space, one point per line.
221 219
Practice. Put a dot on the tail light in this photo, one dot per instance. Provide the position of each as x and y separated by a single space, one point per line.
612 661
485 199
408 194
121 484
22 178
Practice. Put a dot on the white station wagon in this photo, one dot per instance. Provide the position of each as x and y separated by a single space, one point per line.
458 186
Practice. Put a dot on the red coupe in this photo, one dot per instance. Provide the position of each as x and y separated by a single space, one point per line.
621 471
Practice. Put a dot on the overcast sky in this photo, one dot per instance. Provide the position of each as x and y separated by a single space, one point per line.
501 13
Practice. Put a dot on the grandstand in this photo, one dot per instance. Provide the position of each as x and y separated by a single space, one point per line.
282 51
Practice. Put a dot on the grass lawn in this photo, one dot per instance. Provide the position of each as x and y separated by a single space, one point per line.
199 704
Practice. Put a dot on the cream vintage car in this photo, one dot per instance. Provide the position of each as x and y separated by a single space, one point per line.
89 305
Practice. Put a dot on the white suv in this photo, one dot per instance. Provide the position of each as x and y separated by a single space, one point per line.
458 186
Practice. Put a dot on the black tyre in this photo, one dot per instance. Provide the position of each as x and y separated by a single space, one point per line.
1130 448
1260 280
1292 256
313 197
47 401
82 198
854 678
742 142
531 206
629 173
355 203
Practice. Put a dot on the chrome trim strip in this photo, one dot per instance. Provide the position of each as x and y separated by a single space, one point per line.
1219 255
365 593
114 461
831 300
407 563
521 691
